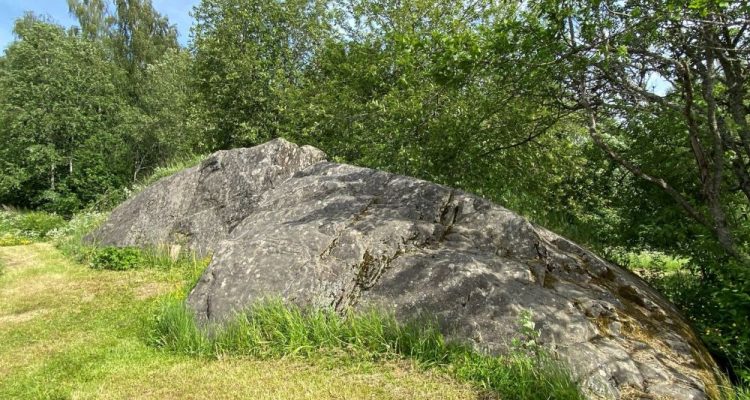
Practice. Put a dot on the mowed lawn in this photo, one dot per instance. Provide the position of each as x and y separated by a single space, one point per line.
68 331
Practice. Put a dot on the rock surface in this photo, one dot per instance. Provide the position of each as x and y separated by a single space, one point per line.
281 221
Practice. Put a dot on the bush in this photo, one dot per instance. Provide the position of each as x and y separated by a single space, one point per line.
69 238
649 261
127 258
117 258
272 330
38 224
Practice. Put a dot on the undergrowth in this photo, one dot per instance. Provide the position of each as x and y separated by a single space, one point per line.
25 227
273 330
717 308
174 166
716 305
128 258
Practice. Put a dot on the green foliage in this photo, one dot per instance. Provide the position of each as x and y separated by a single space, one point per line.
117 258
129 258
274 330
172 126
89 110
60 108
736 393
527 341
649 261
248 55
174 166
139 36
69 238
24 227
37 223
718 308
415 88
136 35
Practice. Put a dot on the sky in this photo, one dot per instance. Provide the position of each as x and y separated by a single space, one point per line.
178 12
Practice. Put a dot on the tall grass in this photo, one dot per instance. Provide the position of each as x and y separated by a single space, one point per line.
69 239
274 330
174 166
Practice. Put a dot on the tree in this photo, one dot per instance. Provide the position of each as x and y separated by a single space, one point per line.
93 17
133 30
247 55
60 102
170 124
615 51
140 36
433 89
140 41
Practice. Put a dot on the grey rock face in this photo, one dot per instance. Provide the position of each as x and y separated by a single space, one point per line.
199 206
281 221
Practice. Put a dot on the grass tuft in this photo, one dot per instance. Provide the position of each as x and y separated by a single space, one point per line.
174 166
271 330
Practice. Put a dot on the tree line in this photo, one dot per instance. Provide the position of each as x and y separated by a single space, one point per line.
623 124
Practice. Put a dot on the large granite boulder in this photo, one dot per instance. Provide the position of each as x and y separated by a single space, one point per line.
280 221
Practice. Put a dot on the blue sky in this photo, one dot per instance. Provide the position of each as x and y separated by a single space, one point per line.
178 12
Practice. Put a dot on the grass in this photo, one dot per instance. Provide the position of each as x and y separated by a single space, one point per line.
73 332
114 325
174 166
272 330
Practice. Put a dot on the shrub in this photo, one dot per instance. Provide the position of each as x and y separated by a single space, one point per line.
38 223
646 260
117 258
69 238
